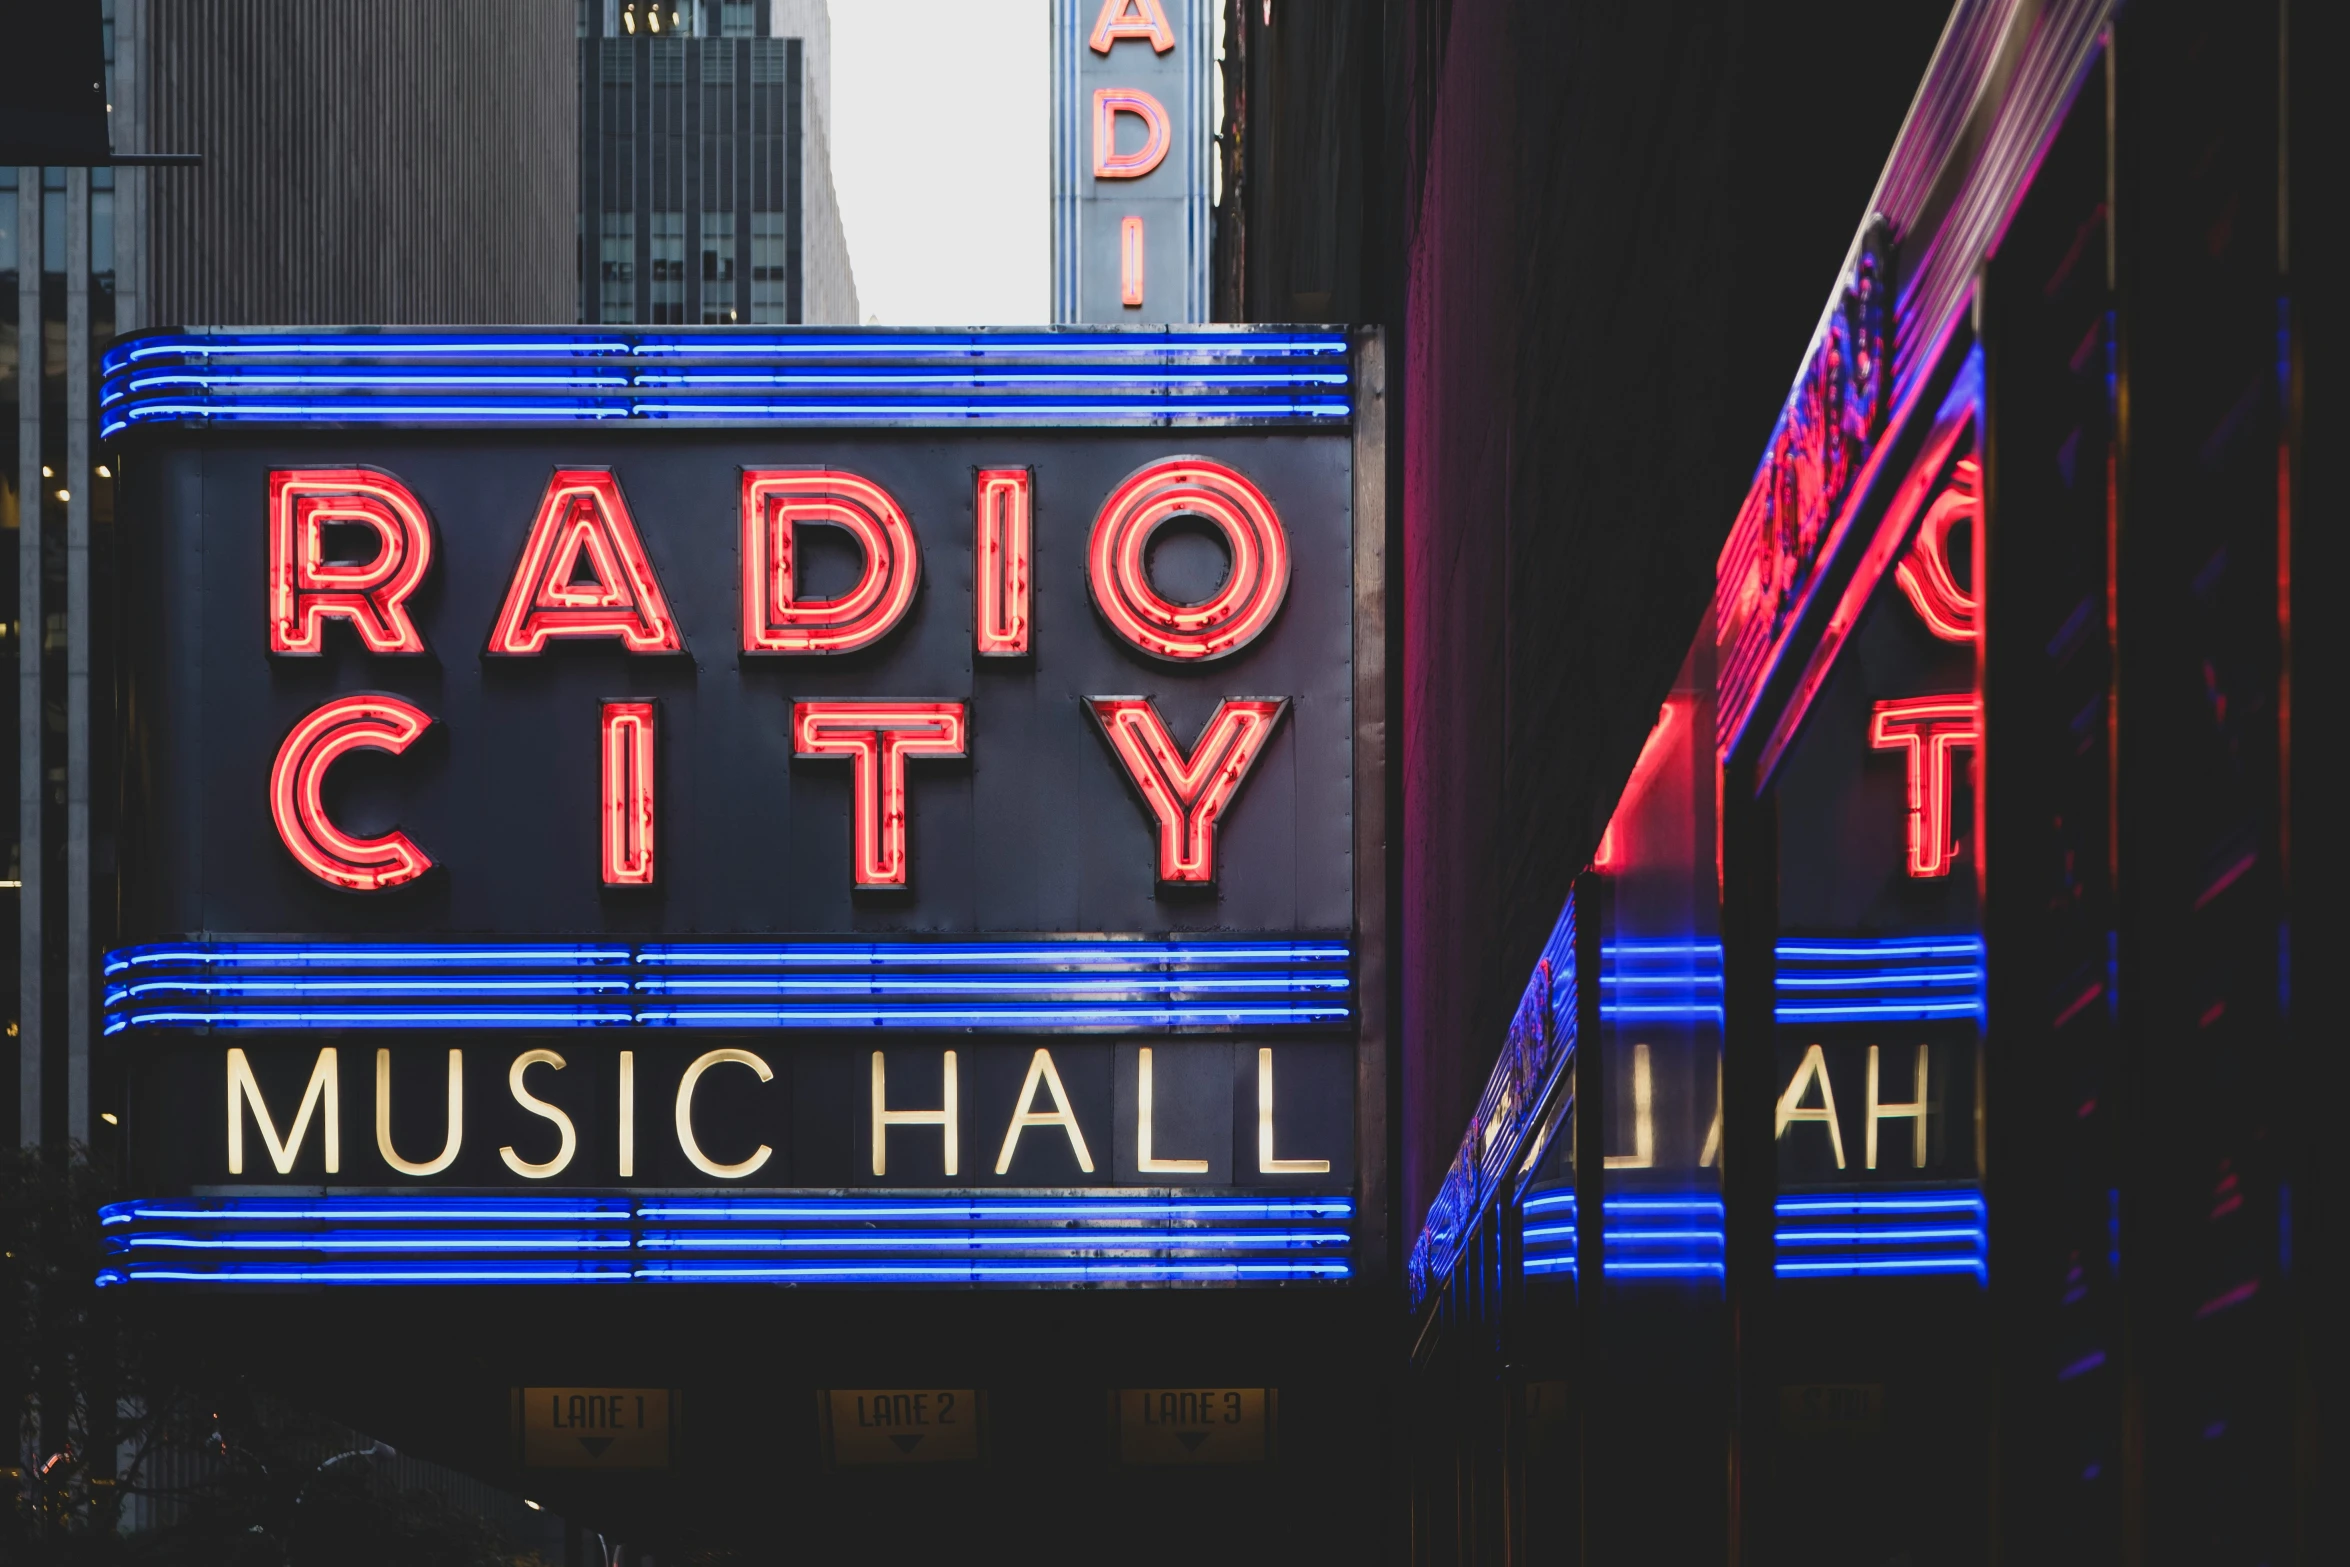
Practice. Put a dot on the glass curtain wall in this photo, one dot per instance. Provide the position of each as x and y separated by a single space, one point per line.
690 171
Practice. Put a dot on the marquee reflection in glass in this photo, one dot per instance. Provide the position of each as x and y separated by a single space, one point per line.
1925 573
306 589
1928 729
877 737
297 782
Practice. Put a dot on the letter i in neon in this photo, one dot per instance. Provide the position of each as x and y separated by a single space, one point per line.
1130 263
626 817
1003 508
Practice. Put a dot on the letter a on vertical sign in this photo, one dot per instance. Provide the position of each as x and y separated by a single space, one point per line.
1144 19
307 589
584 573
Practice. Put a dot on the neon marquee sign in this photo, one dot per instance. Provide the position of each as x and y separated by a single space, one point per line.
870 760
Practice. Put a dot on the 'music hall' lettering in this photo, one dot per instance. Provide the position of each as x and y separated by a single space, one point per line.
917 1121
584 575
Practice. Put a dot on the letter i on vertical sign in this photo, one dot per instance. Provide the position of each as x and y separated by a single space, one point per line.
1130 263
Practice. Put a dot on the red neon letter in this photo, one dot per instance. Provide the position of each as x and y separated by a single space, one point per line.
1108 162
877 737
628 794
1003 509
1131 19
583 525
1252 592
1130 262
1929 728
297 781
1186 795
775 619
1925 575
305 588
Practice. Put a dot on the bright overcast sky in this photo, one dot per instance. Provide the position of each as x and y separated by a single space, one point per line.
941 146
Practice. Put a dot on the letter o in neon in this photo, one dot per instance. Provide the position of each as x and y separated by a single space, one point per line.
1252 592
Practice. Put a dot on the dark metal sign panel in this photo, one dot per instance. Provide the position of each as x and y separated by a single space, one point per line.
625 755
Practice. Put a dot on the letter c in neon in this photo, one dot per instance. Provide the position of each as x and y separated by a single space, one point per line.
297 782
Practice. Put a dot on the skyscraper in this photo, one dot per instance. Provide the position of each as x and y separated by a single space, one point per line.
441 192
705 181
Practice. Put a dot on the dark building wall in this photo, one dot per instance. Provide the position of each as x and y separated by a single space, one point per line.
392 163
1600 236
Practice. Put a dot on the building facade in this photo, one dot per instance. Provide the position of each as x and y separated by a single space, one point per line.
705 178
1856 1103
442 193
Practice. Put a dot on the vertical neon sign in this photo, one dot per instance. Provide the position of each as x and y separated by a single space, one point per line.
1130 262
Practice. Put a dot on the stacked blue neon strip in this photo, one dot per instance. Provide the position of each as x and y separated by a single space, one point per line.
1649 1238
1860 1234
1917 1233
1882 979
728 376
782 1238
1100 985
1661 982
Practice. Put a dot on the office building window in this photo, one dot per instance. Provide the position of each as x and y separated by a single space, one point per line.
718 267
668 258
770 268
618 269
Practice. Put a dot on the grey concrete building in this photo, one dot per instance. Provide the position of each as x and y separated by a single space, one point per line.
705 181
361 163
